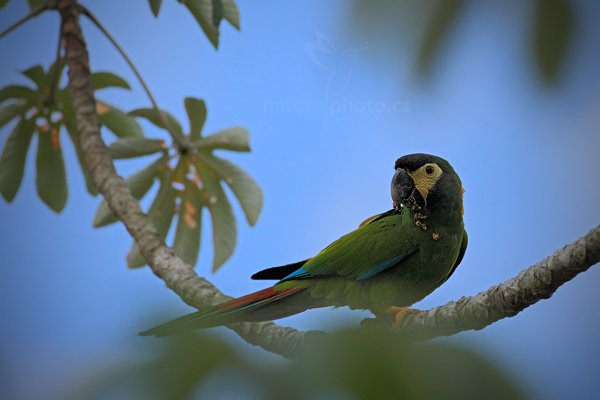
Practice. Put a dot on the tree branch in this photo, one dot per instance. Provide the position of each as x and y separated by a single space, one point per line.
177 275
504 300
509 298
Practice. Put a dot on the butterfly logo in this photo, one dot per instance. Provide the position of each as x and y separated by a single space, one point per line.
337 63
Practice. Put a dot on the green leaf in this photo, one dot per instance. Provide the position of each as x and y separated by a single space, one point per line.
89 181
37 75
155 6
35 4
11 111
224 230
243 186
161 214
103 80
444 15
182 169
63 98
139 184
3 3
12 162
552 35
134 258
187 235
60 64
196 111
16 92
135 147
235 139
51 178
151 115
208 14
120 123
231 13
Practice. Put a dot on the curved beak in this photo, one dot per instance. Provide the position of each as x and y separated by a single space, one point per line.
402 187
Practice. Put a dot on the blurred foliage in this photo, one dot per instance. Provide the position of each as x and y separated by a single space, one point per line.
33 4
343 365
431 22
442 19
552 34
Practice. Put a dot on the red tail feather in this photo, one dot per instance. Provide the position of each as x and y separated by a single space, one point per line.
256 297
234 310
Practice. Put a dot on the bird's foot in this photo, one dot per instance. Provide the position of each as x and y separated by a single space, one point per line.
383 316
399 314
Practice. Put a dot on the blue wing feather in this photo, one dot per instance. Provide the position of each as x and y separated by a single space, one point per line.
300 273
380 267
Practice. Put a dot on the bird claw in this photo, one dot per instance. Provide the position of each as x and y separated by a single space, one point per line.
400 314
383 317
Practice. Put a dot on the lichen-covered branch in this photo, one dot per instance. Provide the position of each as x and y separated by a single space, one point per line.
504 300
178 276
509 298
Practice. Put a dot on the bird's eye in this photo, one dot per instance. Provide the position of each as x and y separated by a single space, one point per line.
429 169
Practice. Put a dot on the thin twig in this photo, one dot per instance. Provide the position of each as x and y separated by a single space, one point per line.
56 75
32 14
137 73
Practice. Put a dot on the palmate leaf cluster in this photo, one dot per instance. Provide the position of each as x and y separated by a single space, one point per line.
208 14
190 179
43 111
189 182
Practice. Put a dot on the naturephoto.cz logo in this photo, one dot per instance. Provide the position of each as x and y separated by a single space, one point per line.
338 66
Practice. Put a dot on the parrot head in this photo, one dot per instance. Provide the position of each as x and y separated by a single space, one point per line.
426 181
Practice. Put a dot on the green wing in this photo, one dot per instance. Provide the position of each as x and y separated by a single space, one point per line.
378 244
461 254
376 217
283 271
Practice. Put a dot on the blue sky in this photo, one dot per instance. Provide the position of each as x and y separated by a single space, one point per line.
325 132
